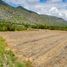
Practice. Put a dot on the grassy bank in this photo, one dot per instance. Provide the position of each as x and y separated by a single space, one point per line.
8 59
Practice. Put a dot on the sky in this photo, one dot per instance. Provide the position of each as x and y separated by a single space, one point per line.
49 7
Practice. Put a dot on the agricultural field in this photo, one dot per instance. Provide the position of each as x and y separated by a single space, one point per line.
43 48
7 57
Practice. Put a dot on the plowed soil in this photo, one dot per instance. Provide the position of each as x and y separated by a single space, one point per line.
44 48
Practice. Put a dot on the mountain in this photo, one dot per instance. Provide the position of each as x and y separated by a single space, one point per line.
22 15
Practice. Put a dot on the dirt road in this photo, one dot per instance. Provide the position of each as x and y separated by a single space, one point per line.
44 48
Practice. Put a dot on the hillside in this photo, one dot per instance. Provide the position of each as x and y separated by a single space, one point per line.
21 15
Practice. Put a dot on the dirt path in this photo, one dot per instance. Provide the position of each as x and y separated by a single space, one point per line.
41 47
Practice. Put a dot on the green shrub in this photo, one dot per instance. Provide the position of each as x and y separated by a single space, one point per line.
7 57
10 26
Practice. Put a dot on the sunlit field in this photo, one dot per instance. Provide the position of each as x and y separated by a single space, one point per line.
43 48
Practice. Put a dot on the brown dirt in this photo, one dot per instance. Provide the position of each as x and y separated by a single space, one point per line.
44 48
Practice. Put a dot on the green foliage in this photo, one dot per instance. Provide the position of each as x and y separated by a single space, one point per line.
7 57
1 46
10 26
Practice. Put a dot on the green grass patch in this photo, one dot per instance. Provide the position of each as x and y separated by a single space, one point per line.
8 59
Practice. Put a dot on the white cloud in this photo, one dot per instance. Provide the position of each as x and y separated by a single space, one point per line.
51 7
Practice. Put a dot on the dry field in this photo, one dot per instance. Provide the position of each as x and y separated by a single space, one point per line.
44 48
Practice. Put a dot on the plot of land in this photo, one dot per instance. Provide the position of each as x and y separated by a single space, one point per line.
44 48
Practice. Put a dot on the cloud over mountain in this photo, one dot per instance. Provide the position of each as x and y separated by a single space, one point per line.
51 7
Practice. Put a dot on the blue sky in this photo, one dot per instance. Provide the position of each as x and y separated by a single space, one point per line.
43 1
49 7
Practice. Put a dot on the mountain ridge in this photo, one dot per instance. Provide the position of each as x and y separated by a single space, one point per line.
21 15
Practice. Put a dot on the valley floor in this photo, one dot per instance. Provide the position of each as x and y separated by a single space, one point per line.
44 48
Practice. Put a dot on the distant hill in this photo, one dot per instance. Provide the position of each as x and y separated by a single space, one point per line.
22 15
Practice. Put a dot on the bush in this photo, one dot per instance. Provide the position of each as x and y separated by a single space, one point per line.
7 57
9 26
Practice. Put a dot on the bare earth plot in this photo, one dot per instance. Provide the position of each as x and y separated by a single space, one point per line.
44 48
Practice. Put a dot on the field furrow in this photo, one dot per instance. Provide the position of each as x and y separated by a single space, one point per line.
39 46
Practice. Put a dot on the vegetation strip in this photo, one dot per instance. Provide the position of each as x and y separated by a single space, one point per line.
9 26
